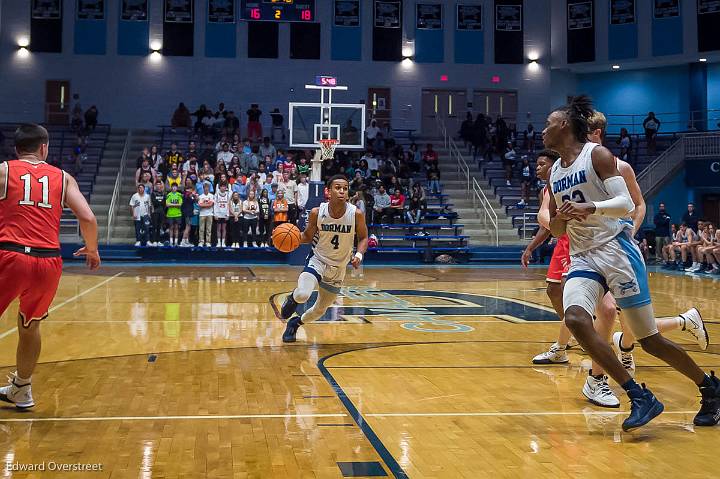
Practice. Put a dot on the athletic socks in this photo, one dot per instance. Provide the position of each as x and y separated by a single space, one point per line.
631 385
22 382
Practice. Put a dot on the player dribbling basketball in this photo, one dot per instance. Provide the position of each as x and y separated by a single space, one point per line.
331 229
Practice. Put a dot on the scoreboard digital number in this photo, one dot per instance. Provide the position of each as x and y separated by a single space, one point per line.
279 10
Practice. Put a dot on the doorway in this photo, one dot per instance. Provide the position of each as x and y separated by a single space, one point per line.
494 103
379 101
444 105
57 102
711 208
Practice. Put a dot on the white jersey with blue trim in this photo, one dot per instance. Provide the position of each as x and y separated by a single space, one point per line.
580 183
335 238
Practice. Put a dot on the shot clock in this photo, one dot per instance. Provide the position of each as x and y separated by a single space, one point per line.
278 10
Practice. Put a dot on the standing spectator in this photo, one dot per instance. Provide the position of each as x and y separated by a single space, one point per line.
232 123
174 178
206 202
250 219
267 149
381 205
225 156
265 218
254 128
190 211
141 207
290 193
145 168
433 177
181 117
221 213
417 204
174 202
156 161
662 231
235 220
529 138
358 199
397 205
651 126
280 209
466 131
303 194
526 178
509 158
158 212
371 132
303 168
691 217
625 145
371 161
91 118
277 124
76 119
173 157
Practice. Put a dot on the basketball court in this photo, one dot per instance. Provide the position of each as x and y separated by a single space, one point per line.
418 372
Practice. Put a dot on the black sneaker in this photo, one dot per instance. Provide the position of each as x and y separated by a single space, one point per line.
644 406
291 329
288 307
709 413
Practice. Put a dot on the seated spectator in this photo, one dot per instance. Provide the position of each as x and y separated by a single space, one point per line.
140 206
79 154
642 243
370 161
430 156
529 138
397 206
206 201
625 145
358 199
254 128
349 134
277 124
264 218
381 206
267 149
683 238
371 132
357 182
280 208
509 158
181 117
91 118
417 204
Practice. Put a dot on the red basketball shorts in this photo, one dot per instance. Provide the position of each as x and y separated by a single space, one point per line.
560 261
33 280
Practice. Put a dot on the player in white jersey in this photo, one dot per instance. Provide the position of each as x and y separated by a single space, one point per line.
331 228
594 198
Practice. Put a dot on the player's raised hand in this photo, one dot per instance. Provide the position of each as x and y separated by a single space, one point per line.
92 258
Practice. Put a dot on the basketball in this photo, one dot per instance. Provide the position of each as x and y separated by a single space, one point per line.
286 237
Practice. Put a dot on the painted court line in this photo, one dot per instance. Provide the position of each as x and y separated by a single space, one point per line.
169 418
506 414
67 301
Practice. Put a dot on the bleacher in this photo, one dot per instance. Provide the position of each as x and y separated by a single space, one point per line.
62 142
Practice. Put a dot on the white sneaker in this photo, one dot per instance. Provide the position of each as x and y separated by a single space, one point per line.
625 357
554 355
599 393
137 244
694 325
21 396
573 343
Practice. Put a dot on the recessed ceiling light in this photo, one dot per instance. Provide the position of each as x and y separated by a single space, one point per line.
616 67
703 59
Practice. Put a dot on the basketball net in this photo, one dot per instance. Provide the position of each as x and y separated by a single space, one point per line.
327 148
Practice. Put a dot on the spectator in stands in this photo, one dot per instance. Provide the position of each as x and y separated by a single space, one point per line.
141 207
144 155
207 172
264 218
358 199
381 205
261 174
371 161
683 238
466 131
625 143
76 119
221 111
502 133
358 181
156 160
691 217
250 209
433 177
651 126
662 231
91 118
397 205
277 124
190 212
147 181
240 187
267 148
157 197
303 168
206 201
371 132
181 117
173 157
430 156
145 168
79 154
174 178
349 134
529 138
510 156
190 167
254 128
200 114
280 208
225 156
192 150
303 194
235 220
173 201
526 178
417 204
290 192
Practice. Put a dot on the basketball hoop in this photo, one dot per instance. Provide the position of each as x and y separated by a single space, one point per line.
327 147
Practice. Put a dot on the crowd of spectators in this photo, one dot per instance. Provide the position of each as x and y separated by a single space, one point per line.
209 122
692 246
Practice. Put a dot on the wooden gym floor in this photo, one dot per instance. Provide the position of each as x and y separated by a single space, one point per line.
179 372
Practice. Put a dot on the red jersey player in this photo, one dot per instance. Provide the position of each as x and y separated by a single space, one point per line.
32 197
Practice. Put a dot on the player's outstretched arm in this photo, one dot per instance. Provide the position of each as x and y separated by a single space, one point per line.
542 234
362 236
75 200
311 228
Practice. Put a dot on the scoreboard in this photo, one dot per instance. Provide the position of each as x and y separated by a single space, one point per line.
279 10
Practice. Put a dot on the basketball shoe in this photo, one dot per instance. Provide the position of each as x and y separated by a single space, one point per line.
598 391
288 307
291 329
554 355
694 325
644 407
19 395
709 413
624 355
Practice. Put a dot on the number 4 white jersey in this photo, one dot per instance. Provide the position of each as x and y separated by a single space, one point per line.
335 238
580 183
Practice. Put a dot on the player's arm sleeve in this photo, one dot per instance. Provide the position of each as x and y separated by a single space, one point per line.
638 214
620 204
361 231
311 228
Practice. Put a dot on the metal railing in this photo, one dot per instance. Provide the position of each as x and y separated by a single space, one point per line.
702 146
482 206
118 187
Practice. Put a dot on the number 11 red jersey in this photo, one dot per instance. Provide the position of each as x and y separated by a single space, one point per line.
31 205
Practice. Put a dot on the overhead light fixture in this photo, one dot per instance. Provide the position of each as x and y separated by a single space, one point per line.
155 45
23 42
23 52
155 57
533 56
703 60
533 66
616 67
407 62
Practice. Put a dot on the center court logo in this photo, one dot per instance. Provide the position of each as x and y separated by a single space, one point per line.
422 310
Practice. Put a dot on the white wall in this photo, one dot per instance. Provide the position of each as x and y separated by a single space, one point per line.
135 92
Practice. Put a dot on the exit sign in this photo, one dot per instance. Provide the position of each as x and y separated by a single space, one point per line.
324 80
495 79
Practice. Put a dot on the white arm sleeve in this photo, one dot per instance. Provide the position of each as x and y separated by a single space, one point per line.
620 204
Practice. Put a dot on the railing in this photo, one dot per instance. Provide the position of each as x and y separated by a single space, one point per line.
481 204
702 146
528 218
118 187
